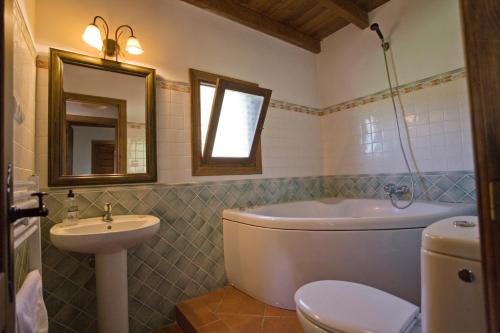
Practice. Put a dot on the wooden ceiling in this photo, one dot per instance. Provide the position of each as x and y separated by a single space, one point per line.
303 23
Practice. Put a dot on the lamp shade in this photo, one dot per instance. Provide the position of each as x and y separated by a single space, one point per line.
133 46
92 36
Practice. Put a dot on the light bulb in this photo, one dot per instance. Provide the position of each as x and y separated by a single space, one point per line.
92 36
133 46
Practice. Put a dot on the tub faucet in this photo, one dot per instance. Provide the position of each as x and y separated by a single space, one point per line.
391 190
107 217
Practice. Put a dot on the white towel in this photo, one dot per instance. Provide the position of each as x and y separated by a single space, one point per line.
30 309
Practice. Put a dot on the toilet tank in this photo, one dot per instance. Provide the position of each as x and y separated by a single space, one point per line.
452 287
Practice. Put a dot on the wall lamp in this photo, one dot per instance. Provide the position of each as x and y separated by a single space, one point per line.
110 47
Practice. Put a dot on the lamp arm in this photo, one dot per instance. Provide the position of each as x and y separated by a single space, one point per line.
106 27
123 26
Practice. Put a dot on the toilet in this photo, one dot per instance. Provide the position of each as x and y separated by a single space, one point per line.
452 295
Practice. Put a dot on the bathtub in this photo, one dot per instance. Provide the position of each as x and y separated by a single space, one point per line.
271 251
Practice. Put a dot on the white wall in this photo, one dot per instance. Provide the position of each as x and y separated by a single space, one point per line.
291 144
176 36
364 140
24 92
425 39
28 10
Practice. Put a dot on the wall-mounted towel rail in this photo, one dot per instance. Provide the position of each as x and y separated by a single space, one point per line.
28 229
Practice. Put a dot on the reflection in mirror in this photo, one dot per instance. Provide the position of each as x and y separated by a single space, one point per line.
105 116
95 128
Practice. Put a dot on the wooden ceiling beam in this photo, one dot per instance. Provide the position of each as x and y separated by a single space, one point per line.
349 11
230 9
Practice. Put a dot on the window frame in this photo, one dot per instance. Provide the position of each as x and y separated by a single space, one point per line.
209 166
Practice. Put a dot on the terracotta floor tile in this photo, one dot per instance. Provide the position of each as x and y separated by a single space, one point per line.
215 327
243 323
198 314
272 311
236 302
211 300
282 325
230 310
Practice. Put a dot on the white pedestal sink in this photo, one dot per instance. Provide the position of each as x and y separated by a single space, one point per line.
109 242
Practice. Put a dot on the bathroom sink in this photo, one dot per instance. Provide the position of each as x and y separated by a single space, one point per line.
93 235
109 242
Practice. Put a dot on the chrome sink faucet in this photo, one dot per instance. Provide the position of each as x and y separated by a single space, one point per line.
392 190
107 217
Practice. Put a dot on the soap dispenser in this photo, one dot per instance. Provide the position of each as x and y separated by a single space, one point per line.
71 207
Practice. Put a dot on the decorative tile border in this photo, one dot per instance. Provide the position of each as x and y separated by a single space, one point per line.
42 61
401 90
293 107
186 258
173 85
431 81
282 105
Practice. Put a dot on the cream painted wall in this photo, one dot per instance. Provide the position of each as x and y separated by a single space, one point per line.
425 38
177 36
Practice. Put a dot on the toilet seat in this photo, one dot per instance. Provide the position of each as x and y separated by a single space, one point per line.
340 306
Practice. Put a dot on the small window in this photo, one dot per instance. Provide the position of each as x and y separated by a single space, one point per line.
227 120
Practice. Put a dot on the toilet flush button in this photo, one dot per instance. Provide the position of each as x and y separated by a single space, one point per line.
466 275
466 224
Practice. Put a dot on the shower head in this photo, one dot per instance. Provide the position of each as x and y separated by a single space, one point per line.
375 27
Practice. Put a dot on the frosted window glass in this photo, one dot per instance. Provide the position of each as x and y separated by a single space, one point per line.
237 124
207 93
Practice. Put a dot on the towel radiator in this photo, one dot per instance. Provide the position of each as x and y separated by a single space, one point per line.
24 217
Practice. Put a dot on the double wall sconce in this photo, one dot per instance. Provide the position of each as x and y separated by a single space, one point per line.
108 46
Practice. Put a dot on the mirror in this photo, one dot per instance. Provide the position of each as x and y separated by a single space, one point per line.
103 121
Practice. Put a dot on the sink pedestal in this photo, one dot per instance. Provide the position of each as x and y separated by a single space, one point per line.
112 292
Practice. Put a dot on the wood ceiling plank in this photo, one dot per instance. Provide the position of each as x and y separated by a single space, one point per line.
288 10
307 15
232 10
348 10
329 28
312 25
305 7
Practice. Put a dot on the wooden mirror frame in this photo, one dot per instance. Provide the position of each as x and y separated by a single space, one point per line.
57 119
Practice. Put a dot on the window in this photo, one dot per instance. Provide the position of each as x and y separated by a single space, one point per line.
227 119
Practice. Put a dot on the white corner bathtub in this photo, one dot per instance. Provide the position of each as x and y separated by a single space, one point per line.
271 251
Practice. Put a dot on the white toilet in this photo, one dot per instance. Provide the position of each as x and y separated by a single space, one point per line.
452 295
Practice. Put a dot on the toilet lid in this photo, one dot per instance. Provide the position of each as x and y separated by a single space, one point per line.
354 308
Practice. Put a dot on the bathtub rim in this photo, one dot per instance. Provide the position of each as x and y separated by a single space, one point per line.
416 221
